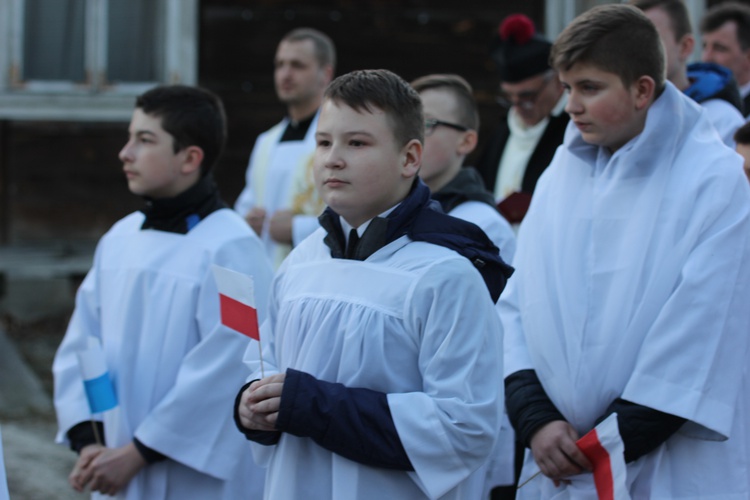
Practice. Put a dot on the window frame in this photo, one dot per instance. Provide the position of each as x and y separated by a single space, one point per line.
559 14
95 100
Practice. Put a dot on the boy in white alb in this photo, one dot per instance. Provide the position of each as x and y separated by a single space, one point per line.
383 333
451 133
151 300
633 273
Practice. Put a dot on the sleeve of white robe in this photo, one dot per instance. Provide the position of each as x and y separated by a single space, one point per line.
193 424
449 428
71 405
516 355
692 357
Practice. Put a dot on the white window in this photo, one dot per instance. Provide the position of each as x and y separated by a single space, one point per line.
560 13
87 59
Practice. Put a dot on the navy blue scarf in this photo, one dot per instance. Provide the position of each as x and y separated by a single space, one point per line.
421 219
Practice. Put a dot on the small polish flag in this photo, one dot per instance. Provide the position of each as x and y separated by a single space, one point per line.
603 446
99 389
237 301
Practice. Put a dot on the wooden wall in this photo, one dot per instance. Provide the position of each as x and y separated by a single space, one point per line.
411 38
62 181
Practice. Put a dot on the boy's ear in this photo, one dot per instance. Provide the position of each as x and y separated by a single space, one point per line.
193 159
467 143
687 44
411 155
644 89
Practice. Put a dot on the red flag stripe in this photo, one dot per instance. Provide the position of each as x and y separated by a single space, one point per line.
239 316
599 457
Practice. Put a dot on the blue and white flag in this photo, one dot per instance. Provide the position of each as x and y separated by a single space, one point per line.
99 389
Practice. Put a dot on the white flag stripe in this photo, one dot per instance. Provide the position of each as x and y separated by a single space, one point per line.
609 437
91 360
234 285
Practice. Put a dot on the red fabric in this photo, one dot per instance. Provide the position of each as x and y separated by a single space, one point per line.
239 316
515 206
599 457
518 27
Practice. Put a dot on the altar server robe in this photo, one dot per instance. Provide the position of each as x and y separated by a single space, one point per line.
151 300
414 321
632 282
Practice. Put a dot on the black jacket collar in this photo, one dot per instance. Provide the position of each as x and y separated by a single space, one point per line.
422 219
467 185
181 213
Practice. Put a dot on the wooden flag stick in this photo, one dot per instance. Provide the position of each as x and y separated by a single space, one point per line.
529 479
96 432
260 352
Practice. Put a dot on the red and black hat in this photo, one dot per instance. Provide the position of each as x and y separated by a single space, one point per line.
518 51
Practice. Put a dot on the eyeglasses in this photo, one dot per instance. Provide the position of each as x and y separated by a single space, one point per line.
429 126
525 99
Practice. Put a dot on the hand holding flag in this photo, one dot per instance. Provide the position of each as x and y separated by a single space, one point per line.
100 392
603 446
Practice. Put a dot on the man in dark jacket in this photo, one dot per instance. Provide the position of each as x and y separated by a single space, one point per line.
522 147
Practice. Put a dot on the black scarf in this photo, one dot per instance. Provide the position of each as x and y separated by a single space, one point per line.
181 213
421 219
467 185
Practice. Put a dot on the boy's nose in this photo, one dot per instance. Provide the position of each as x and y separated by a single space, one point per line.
125 153
334 163
573 106
333 159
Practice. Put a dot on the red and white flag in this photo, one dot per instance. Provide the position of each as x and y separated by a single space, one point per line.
237 301
603 447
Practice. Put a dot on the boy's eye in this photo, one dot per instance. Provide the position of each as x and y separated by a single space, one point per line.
356 143
323 143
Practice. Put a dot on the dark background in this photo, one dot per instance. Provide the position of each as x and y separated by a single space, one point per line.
61 182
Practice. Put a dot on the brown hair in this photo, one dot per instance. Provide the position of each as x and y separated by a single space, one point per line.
679 17
193 116
325 51
729 11
468 116
379 88
616 38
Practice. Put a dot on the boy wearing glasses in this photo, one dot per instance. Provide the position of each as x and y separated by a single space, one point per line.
451 129
523 145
